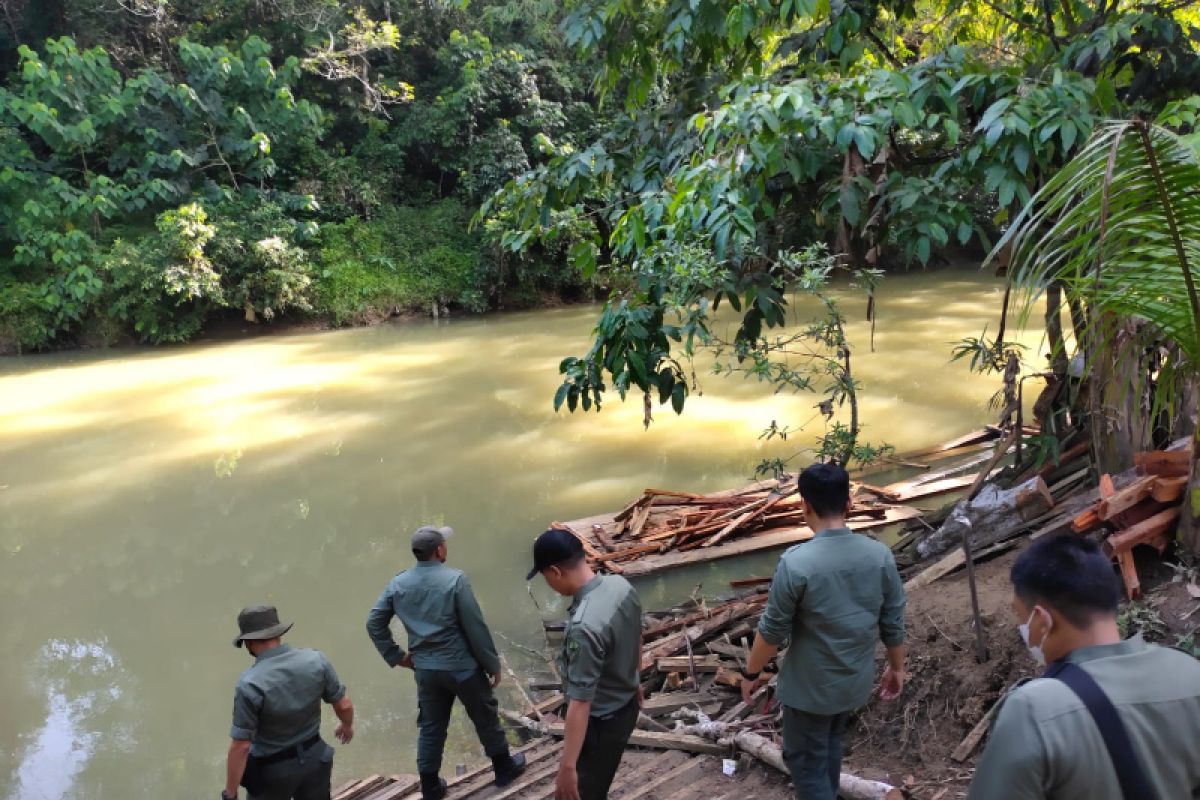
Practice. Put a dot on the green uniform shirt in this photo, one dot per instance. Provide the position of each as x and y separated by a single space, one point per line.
601 651
277 703
1044 744
833 597
445 626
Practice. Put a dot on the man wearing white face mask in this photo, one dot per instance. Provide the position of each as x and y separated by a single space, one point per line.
1110 719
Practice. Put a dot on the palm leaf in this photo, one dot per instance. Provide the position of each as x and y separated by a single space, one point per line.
1120 227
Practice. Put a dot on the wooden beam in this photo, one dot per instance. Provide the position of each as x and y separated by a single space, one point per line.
1144 531
660 704
1164 463
1133 588
968 745
1126 498
1169 490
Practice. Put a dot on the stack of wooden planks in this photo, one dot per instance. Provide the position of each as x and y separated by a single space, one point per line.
1144 511
692 659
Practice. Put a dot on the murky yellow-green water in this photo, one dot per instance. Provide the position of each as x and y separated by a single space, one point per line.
146 495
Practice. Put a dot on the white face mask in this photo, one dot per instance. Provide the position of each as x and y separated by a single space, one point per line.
1034 650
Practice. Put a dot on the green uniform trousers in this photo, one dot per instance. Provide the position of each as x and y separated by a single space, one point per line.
812 749
603 747
436 692
305 777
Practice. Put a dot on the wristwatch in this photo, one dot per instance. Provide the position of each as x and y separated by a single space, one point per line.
751 676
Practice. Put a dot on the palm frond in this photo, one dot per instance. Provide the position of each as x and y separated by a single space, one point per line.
1120 227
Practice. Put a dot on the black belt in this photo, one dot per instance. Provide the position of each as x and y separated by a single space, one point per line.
295 751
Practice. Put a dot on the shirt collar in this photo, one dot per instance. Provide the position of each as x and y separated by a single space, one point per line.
830 533
433 562
586 589
1134 644
274 651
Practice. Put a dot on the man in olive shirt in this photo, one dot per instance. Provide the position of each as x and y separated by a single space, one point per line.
599 665
833 597
1045 744
276 750
451 652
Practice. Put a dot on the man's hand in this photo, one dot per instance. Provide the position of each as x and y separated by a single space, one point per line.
225 796
892 684
406 661
495 680
750 687
344 732
566 783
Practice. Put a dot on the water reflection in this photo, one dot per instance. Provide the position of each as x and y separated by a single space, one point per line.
59 750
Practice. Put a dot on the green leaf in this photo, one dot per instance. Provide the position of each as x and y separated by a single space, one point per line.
678 396
561 395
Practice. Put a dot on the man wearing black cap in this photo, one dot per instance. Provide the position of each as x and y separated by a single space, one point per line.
450 649
599 665
276 750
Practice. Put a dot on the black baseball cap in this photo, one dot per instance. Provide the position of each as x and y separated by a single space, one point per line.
554 547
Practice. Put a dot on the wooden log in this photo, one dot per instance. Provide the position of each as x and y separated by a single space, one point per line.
992 511
728 677
1126 498
1070 455
729 650
742 583
652 739
850 787
1157 525
1169 490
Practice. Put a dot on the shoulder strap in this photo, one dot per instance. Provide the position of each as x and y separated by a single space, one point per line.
1134 784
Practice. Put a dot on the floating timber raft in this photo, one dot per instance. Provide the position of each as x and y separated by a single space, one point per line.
665 529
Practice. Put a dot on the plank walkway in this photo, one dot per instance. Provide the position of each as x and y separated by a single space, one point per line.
644 775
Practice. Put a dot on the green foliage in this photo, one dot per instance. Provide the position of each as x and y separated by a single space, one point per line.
407 258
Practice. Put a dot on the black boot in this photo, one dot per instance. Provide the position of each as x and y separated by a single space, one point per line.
508 767
432 787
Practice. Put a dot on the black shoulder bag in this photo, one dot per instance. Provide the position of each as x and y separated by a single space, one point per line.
1134 784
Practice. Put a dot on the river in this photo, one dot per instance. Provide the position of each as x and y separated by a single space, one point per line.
147 494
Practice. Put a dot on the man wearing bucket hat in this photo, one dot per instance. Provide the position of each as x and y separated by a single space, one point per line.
599 664
276 750
451 652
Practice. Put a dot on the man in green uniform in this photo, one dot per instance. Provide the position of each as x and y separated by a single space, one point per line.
599 665
833 597
1045 743
276 750
451 652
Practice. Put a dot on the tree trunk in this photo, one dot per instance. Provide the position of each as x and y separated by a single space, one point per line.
993 512
1118 412
1054 330
1189 519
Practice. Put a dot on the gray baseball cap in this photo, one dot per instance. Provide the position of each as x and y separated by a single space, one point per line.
428 538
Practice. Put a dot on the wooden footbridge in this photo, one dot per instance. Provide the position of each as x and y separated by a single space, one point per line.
644 775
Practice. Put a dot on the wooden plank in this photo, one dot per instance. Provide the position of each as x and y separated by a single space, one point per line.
640 738
1126 498
944 486
683 663
755 510
968 745
397 790
951 562
538 750
753 544
661 704
684 772
726 649
1144 531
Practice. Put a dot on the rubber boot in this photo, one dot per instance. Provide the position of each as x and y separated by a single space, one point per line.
508 767
432 787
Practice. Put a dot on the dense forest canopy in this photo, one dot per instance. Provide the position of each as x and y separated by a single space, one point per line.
163 162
